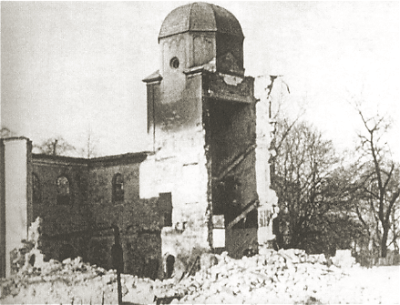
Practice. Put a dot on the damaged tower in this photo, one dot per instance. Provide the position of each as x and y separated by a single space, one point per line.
203 187
202 119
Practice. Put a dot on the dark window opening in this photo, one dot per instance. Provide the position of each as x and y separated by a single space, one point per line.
63 191
118 188
36 189
165 205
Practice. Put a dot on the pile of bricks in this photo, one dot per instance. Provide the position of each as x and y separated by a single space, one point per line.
285 276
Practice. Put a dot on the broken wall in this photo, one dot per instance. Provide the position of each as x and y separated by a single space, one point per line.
265 133
231 133
60 218
175 115
138 219
128 212
179 165
72 229
2 212
184 176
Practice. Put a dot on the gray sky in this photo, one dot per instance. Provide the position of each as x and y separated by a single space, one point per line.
68 67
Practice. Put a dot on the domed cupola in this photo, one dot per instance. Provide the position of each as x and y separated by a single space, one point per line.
200 33
200 17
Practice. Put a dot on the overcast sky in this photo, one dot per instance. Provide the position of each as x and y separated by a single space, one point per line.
68 67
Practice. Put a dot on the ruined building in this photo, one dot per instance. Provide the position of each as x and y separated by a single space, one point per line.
204 187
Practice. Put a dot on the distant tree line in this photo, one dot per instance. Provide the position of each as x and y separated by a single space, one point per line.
58 146
328 202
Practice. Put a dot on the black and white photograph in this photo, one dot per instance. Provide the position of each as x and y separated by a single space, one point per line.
221 152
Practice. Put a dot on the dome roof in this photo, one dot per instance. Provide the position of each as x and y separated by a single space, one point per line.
200 17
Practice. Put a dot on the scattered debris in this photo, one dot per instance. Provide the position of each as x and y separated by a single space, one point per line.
288 275
285 276
72 281
28 254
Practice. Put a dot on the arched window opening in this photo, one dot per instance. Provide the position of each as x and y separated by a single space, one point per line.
63 191
36 189
118 188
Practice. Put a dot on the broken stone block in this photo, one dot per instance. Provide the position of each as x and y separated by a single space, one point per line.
317 258
67 261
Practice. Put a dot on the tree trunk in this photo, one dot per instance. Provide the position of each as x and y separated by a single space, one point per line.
384 242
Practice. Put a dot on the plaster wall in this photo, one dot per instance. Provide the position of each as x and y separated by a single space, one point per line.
179 164
2 212
184 175
16 152
173 113
173 83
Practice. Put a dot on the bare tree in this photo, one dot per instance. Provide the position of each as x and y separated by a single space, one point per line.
379 181
395 227
55 146
303 165
90 145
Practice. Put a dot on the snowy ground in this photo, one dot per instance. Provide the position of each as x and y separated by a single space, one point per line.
377 285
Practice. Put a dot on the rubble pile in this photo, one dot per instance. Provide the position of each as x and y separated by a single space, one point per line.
287 276
284 277
69 282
